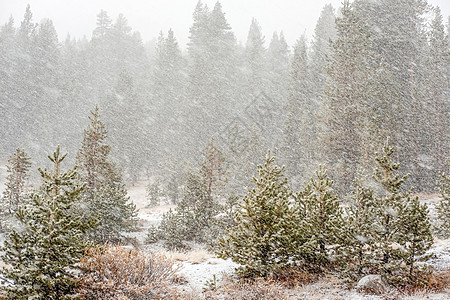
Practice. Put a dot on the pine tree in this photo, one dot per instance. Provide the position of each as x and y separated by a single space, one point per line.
360 217
104 24
255 61
197 210
319 210
42 255
348 96
404 228
443 208
399 43
278 59
124 104
300 127
391 203
105 194
261 240
325 34
211 74
15 187
437 76
416 239
172 189
154 192
212 170
168 102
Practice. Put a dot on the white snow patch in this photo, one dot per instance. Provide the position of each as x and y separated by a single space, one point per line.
198 274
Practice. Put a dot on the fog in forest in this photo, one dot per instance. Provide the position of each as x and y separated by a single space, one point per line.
302 144
323 91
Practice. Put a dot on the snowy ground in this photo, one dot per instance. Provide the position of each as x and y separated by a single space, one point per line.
199 267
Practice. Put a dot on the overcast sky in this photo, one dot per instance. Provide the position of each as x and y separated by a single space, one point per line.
78 17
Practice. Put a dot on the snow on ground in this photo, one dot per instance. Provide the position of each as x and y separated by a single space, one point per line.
441 259
198 275
199 269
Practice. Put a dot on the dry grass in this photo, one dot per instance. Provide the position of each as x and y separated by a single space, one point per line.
437 282
296 277
194 256
233 289
114 272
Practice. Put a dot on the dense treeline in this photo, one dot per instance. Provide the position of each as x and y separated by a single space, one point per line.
372 70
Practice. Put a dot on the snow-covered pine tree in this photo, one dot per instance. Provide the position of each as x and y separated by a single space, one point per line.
105 195
347 97
299 131
390 204
360 219
15 187
41 256
196 211
320 210
404 229
172 189
443 208
261 241
415 238
153 192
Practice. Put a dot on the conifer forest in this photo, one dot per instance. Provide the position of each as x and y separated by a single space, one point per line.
283 164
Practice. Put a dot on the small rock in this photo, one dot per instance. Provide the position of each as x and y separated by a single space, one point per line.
372 284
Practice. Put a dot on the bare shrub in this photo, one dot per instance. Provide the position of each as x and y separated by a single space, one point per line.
114 272
248 289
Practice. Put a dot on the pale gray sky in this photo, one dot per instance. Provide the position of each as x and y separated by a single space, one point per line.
78 17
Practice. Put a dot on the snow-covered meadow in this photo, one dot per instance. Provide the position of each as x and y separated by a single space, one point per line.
200 267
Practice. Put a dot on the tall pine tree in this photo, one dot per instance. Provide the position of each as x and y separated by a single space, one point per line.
43 254
105 195
403 228
16 182
261 241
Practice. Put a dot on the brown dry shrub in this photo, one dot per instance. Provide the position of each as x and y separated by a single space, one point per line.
114 272
438 281
296 277
428 282
248 289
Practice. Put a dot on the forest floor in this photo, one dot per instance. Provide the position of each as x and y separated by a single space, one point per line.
202 269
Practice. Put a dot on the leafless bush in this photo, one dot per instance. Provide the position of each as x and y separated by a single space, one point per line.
114 272
255 289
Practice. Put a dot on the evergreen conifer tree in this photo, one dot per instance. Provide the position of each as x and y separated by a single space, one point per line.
403 231
300 127
261 240
105 195
348 96
319 208
43 254
360 217
154 192
443 208
415 238
437 76
196 211
18 166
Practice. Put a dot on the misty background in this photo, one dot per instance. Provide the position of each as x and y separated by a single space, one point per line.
171 77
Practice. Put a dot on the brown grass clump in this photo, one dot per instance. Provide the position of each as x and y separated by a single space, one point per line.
247 289
195 256
438 282
296 277
114 272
